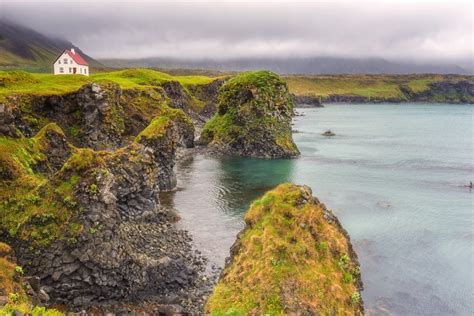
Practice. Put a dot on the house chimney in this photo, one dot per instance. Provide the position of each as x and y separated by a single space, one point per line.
73 51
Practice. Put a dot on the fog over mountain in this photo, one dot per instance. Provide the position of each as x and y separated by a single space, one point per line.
289 37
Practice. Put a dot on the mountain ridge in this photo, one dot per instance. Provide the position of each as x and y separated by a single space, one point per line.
22 47
293 65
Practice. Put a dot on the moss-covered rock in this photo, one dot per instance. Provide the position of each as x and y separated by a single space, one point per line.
88 222
19 294
253 118
293 258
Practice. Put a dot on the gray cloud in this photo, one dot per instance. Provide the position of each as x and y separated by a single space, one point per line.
425 31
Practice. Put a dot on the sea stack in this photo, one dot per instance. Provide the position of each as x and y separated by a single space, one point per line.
292 258
253 118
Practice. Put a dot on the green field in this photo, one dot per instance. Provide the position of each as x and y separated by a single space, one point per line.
20 82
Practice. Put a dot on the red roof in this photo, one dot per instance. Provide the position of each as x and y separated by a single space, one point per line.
76 57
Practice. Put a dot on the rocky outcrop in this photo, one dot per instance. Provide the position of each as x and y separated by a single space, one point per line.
292 258
12 124
306 101
208 94
253 118
444 91
93 115
178 97
95 231
98 116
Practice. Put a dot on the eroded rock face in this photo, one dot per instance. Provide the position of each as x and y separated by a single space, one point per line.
126 246
307 101
93 115
292 258
11 122
253 118
209 94
174 91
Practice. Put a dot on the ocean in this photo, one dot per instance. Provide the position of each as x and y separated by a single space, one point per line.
395 176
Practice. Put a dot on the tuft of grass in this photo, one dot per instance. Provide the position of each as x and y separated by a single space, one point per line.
280 268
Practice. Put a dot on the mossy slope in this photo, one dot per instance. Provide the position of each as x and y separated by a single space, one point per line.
34 205
253 118
293 257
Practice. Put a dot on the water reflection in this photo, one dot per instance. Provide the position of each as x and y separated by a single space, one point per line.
241 180
213 194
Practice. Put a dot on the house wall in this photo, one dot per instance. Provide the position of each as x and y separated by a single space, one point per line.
68 68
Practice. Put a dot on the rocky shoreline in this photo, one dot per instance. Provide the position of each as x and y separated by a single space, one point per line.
80 182
460 92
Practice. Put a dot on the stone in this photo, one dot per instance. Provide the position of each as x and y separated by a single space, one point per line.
43 295
328 133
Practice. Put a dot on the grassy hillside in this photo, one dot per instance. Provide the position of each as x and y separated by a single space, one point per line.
13 82
24 48
382 86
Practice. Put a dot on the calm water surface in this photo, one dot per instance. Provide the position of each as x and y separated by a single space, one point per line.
393 174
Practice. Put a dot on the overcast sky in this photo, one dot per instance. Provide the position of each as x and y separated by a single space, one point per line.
396 30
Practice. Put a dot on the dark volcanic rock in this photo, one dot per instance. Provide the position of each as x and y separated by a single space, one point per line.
128 248
306 101
174 91
208 94
12 124
328 133
93 112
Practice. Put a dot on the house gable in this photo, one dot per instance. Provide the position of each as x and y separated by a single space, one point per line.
70 63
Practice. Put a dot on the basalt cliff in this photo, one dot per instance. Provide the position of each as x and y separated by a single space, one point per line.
82 227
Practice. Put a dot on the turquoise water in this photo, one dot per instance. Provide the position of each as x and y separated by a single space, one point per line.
394 176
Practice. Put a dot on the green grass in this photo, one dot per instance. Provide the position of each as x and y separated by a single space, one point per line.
20 82
373 86
280 267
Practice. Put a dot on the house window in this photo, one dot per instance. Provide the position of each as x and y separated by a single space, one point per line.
59 61
70 70
85 71
61 70
65 60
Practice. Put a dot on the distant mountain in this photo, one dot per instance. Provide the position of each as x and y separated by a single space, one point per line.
21 47
313 65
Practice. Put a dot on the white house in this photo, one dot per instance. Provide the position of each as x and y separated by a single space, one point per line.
69 63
